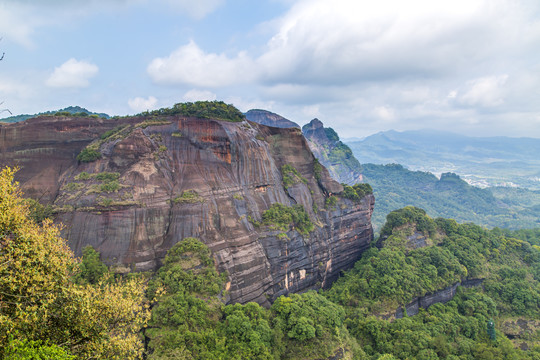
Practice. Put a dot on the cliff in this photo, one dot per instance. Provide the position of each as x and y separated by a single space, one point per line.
158 180
332 153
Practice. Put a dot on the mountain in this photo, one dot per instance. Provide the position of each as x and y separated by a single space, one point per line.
132 187
70 109
488 161
450 196
395 187
269 119
332 153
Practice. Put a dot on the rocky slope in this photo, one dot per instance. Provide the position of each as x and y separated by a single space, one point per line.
268 118
159 180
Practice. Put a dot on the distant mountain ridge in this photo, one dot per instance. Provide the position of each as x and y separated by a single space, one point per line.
69 109
490 161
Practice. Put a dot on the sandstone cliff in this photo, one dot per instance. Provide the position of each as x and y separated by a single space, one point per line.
161 180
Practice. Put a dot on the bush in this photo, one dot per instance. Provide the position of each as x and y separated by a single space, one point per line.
202 109
88 155
281 217
189 197
291 176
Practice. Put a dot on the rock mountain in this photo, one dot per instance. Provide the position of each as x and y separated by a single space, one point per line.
144 183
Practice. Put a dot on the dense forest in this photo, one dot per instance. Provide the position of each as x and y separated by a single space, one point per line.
56 306
450 197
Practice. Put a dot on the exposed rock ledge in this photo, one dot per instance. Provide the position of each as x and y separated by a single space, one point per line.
441 296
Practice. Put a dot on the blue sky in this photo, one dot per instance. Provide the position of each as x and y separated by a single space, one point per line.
468 66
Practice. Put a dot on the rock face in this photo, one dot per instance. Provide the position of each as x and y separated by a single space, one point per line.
323 142
332 153
441 296
159 181
268 118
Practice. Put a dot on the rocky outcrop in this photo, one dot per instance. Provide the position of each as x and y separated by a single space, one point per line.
441 296
161 180
332 153
268 118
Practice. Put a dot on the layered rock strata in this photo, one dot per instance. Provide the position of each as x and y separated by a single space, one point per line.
159 181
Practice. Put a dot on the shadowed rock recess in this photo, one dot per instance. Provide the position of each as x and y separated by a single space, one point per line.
158 180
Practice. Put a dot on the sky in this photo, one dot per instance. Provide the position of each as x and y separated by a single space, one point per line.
466 66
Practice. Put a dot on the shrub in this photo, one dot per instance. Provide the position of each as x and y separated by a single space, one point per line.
291 176
110 186
281 217
88 155
189 197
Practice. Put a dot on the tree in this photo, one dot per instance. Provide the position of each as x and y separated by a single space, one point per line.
41 304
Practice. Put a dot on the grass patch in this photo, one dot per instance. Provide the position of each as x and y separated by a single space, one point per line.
291 176
282 217
152 122
88 155
188 197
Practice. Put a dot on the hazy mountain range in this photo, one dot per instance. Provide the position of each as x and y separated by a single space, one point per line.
489 161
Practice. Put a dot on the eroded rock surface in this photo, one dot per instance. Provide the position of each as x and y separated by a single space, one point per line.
185 177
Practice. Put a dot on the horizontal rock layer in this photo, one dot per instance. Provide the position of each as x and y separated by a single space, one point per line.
185 177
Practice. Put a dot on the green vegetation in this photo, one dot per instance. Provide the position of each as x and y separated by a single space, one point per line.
201 109
69 111
119 132
38 212
409 215
106 176
450 197
110 186
91 269
291 176
238 196
88 155
282 217
44 313
189 321
356 192
394 275
330 202
177 134
317 169
188 197
152 122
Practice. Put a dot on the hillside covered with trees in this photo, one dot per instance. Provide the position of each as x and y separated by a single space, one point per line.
56 306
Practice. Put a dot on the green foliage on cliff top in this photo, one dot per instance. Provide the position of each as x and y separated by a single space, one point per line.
356 192
202 109
385 278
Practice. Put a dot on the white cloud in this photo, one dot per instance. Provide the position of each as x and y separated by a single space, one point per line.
199 95
72 74
140 104
384 113
486 91
191 65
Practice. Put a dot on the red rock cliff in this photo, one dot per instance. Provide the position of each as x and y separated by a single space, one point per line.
190 177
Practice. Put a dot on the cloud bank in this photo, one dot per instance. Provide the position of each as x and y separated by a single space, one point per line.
72 74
